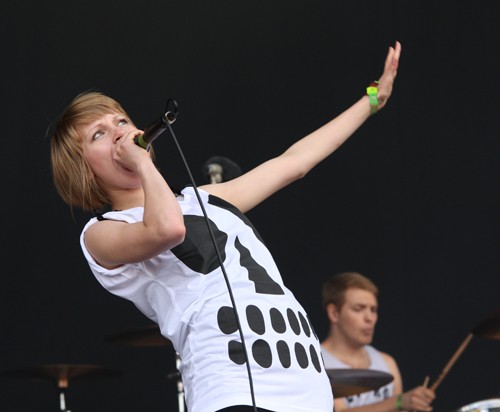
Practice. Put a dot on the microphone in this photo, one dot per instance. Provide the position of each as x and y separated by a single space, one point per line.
215 172
219 169
158 127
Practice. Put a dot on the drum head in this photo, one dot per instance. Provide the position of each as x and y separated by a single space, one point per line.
488 405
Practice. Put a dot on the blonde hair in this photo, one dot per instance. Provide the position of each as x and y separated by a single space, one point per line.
74 179
335 287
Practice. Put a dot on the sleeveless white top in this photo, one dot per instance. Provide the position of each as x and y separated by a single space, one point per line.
184 291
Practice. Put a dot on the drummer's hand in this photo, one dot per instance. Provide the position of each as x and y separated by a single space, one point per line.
418 399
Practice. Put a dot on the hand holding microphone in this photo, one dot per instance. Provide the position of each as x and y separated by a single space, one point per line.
158 127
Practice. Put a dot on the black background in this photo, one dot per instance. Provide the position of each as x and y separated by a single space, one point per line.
411 200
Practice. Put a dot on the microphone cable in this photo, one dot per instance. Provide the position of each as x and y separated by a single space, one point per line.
171 116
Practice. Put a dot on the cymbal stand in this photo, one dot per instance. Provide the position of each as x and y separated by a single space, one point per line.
62 384
180 385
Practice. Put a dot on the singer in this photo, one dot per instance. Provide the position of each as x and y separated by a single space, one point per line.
152 246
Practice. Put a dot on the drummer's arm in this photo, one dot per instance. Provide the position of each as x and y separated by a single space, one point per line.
419 398
394 371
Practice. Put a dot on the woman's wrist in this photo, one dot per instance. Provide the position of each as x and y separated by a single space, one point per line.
372 93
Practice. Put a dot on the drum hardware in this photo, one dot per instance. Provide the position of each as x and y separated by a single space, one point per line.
488 405
146 336
180 384
150 336
61 374
176 375
488 327
347 382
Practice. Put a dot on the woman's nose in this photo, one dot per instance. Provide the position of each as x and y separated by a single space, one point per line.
118 133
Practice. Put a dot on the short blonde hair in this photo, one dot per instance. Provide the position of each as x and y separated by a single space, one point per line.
74 179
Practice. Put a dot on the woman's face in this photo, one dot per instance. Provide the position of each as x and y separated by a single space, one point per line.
99 143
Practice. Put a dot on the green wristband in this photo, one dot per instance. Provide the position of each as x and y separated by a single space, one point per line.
399 402
372 92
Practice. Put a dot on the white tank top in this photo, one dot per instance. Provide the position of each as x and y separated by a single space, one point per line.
378 363
184 291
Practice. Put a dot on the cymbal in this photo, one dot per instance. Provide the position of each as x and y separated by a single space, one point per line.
347 382
62 373
489 327
147 336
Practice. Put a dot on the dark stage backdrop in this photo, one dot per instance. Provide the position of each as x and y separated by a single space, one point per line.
411 200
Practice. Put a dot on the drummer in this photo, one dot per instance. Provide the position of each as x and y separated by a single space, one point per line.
350 301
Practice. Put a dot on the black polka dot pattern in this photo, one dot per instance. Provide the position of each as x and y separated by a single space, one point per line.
305 325
226 319
261 349
301 355
284 354
314 358
277 320
256 320
236 353
262 353
294 322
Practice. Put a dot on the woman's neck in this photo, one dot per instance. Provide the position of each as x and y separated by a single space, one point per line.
128 199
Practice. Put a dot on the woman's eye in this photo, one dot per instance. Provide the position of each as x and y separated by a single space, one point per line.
122 122
97 135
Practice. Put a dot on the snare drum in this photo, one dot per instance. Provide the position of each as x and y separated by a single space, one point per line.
488 405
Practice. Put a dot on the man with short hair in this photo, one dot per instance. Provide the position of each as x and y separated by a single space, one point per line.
350 301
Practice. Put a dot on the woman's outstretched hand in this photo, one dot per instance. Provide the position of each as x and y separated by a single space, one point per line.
386 81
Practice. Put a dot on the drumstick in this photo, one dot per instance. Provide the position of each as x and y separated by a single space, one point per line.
452 361
426 381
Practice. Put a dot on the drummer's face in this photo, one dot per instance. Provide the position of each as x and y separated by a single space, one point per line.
358 316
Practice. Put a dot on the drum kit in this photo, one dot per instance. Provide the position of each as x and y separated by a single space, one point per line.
488 328
345 382
61 374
